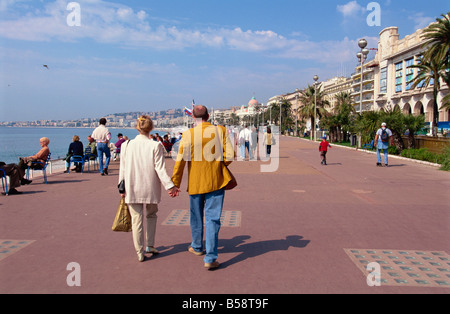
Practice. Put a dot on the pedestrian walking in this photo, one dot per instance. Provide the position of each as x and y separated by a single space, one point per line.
323 149
268 141
207 178
254 142
245 141
382 140
102 136
142 167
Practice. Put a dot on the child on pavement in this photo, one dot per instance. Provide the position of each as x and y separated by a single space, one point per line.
323 148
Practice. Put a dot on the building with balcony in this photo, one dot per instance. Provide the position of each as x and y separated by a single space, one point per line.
334 86
368 86
393 76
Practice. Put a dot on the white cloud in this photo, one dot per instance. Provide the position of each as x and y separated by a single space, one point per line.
110 23
351 9
141 15
125 13
420 20
6 4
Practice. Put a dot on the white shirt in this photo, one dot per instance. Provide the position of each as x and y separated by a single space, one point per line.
101 134
245 136
143 167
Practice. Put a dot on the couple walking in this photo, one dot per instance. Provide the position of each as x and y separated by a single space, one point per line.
142 167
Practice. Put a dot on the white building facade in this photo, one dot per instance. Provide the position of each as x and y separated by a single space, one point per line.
393 76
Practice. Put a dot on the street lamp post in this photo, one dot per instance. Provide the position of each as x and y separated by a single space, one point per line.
281 103
362 56
296 113
270 114
262 111
315 105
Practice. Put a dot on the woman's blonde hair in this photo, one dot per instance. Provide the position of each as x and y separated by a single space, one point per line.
45 139
144 124
75 138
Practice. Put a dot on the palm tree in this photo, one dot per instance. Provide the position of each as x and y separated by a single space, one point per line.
286 115
367 123
234 119
438 39
307 97
343 109
257 114
437 43
395 121
445 75
331 122
413 124
275 113
446 99
429 73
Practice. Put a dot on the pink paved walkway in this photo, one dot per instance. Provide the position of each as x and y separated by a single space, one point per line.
305 228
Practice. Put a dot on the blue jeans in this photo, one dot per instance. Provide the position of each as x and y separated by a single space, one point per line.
211 204
246 145
102 148
385 151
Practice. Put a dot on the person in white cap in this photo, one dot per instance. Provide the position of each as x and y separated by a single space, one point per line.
382 140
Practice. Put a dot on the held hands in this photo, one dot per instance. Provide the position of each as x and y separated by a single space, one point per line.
173 192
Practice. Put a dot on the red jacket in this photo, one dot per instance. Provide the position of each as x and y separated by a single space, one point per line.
323 146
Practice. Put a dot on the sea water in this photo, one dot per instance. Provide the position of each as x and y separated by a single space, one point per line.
24 141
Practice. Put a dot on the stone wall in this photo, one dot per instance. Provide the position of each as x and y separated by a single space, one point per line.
433 144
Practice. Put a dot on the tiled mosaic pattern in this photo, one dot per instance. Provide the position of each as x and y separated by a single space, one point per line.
9 247
406 268
181 217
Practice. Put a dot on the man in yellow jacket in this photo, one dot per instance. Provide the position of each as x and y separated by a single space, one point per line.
207 151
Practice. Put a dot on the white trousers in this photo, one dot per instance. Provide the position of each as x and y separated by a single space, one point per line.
137 221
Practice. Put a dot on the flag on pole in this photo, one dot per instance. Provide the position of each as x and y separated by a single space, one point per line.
188 111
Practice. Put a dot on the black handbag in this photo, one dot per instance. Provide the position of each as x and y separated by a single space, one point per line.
121 187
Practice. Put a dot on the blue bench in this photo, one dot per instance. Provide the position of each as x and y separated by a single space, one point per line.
368 146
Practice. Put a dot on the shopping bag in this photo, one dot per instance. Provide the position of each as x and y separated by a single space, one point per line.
122 222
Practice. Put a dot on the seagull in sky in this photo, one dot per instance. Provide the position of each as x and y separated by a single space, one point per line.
45 66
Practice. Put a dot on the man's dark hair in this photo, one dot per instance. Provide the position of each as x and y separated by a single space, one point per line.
102 121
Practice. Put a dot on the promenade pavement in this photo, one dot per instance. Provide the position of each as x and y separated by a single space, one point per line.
305 228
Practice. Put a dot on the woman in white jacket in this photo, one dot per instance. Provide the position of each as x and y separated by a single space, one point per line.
142 166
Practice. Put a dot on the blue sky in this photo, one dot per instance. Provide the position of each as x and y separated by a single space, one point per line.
154 55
